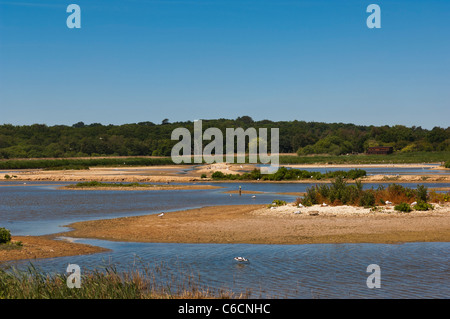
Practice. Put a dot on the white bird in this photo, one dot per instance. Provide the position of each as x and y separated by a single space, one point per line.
388 202
300 205
240 259
254 196
323 204
161 215
413 203
297 212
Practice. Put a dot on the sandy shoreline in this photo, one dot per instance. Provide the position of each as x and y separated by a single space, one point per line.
35 247
250 224
257 224
142 188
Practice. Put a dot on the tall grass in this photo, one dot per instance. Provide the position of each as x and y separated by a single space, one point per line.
145 283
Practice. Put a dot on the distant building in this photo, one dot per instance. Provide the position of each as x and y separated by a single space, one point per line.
380 150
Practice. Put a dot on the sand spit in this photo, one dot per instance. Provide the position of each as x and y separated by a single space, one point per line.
257 224
142 188
34 247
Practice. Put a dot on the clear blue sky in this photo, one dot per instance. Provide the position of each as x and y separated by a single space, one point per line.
146 60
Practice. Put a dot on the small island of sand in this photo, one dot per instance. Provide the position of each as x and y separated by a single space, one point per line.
258 224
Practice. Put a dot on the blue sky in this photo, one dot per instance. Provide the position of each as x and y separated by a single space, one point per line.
145 60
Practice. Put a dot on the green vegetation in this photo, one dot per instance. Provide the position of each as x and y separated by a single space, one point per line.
277 202
82 163
423 206
396 158
108 284
341 193
203 176
403 207
5 235
288 174
447 164
147 138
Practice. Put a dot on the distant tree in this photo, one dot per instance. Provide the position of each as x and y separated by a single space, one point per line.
245 119
165 121
79 124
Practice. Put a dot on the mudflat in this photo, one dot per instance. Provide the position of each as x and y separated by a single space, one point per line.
34 247
258 224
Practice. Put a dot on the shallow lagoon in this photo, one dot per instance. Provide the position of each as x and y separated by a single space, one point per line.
412 270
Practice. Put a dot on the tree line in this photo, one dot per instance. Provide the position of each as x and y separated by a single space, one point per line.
148 138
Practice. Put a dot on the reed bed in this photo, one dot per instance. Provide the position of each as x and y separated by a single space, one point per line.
108 283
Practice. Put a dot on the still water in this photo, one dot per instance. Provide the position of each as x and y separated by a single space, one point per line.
412 270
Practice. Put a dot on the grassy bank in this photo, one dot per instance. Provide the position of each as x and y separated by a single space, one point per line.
82 163
96 184
396 158
142 283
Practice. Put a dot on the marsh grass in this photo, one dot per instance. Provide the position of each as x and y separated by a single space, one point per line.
108 283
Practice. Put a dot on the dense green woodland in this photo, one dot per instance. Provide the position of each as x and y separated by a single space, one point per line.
147 138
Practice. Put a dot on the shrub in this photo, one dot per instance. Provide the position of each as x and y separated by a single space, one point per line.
403 207
5 235
7 176
311 197
422 206
203 176
218 175
421 193
367 199
278 202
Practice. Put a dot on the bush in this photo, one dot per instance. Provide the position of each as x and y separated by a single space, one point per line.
5 235
311 197
403 207
367 199
278 202
422 206
421 193
7 176
218 175
203 176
